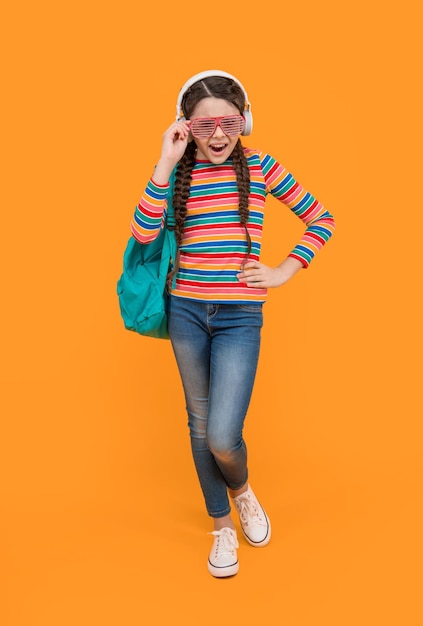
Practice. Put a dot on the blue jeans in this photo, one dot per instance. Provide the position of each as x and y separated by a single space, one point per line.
216 348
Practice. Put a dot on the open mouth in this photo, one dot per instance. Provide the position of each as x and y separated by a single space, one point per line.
217 148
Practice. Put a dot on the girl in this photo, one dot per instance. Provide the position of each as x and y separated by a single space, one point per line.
215 311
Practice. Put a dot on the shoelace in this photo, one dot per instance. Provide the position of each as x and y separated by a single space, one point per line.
227 542
249 512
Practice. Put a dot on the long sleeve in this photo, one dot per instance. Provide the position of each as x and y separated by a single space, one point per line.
150 213
320 224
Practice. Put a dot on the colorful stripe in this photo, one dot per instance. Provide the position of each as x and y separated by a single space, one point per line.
214 245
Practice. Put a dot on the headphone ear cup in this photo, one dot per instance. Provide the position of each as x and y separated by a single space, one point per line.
248 122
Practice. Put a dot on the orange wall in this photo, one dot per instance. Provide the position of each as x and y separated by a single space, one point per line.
94 441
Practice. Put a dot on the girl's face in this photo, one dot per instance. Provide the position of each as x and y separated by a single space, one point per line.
219 146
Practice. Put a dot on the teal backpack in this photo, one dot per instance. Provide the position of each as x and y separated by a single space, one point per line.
142 288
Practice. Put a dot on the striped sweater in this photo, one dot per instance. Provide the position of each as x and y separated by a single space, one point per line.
214 244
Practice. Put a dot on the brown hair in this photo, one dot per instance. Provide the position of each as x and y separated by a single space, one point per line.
229 90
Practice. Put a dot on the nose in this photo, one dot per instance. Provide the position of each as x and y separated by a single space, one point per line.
218 132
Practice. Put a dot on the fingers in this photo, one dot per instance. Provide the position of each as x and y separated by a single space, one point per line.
177 131
258 275
251 265
251 268
174 142
252 272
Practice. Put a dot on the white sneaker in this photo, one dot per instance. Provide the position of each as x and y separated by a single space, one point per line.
223 560
254 521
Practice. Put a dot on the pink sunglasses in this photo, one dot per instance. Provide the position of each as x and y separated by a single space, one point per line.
205 127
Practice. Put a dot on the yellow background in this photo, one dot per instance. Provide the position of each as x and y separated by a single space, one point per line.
101 518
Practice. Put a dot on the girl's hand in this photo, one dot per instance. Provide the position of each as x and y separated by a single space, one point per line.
260 276
174 142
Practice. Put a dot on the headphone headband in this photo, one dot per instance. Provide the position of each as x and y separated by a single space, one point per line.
207 74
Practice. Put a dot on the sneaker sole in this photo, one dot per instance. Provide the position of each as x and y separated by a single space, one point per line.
223 572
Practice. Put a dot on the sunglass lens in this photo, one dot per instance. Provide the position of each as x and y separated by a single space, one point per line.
232 125
202 127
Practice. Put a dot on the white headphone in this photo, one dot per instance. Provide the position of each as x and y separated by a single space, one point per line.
194 79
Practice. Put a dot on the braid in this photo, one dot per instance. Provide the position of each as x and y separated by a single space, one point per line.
181 190
243 180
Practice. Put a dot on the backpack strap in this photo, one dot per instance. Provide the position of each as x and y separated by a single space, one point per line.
170 214
170 226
